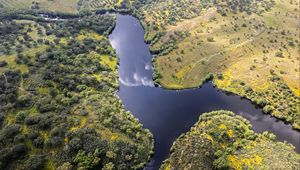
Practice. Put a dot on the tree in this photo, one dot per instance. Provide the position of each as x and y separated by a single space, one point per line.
108 166
210 39
3 63
20 117
10 131
35 162
178 59
279 54
262 102
65 166
86 161
268 109
24 101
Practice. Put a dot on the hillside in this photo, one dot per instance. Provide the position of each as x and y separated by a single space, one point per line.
251 49
60 6
58 103
222 140
58 81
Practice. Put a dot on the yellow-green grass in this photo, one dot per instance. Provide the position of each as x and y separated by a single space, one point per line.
98 4
12 64
109 61
249 54
10 59
160 11
231 48
69 6
16 4
66 6
106 61
89 34
90 120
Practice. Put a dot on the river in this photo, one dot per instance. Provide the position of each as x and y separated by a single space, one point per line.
169 113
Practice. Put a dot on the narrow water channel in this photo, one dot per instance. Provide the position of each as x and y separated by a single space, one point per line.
169 113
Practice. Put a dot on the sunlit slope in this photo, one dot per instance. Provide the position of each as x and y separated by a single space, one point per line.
222 140
212 43
63 6
67 6
251 53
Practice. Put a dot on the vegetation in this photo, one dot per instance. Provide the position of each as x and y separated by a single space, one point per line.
58 81
69 6
222 140
247 42
276 99
62 6
58 107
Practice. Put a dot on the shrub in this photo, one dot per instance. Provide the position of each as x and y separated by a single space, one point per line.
24 101
86 161
210 39
11 131
268 109
35 162
32 120
262 102
279 54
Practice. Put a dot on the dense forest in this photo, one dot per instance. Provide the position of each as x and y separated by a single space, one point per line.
58 104
222 140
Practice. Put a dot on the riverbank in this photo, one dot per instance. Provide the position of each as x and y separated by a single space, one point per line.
58 102
223 140
243 57
170 113
284 106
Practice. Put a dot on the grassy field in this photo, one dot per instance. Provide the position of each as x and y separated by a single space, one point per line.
238 47
99 4
222 140
64 6
68 6
236 39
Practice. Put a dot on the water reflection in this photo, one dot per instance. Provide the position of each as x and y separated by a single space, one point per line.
170 113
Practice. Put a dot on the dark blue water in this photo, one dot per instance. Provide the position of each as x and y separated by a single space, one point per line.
166 113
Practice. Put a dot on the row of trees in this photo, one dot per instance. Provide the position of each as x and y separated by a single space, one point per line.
277 100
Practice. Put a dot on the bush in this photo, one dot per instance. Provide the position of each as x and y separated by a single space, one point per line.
38 142
279 54
19 138
2 118
17 151
210 39
86 161
20 117
262 102
220 76
23 101
33 134
35 162
11 131
32 120
3 63
268 109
